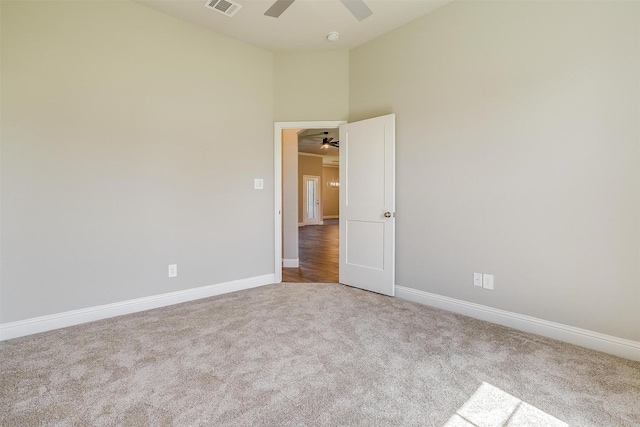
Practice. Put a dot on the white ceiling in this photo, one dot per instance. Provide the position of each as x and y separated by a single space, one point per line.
304 25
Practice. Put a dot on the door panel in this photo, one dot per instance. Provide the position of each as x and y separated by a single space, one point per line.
366 189
367 192
368 251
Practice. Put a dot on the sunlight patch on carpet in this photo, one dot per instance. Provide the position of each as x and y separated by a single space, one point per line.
491 407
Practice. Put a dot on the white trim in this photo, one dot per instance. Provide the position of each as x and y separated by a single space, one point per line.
291 263
582 337
69 318
278 127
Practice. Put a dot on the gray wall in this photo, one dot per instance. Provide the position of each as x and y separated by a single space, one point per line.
130 141
518 153
311 85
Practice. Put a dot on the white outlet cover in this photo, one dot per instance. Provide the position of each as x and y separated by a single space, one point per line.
487 281
477 279
258 184
173 270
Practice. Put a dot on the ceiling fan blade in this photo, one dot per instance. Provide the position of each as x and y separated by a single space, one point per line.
358 8
278 8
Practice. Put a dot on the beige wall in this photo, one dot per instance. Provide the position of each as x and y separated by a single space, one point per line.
312 85
123 133
518 152
330 195
307 165
290 194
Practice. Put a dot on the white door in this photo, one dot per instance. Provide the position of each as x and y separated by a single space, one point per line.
367 204
311 200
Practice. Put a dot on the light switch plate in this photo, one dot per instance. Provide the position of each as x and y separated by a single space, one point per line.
487 281
258 184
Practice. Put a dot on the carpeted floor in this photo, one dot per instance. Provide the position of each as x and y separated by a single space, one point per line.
306 355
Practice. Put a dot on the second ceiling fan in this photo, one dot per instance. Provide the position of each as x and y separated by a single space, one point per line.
328 141
357 8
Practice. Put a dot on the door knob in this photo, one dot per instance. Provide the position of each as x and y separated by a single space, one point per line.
387 214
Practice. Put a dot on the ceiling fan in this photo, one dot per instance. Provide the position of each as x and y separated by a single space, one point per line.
357 8
327 141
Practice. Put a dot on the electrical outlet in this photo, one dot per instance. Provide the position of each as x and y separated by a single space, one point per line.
487 281
173 270
477 279
258 184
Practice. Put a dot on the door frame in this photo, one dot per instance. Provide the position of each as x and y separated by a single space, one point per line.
277 180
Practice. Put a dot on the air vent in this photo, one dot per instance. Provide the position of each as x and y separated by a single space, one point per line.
225 7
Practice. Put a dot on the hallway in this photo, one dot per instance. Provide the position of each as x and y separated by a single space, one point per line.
318 252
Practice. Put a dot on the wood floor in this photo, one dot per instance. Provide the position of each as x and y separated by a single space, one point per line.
318 252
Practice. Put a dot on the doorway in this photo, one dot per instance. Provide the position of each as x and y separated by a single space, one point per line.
321 236
367 203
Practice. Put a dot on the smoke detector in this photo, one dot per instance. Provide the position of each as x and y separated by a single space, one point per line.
226 7
333 36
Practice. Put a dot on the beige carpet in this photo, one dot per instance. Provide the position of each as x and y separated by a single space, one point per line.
306 355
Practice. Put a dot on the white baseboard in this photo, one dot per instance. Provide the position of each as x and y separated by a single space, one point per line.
84 315
291 263
582 337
